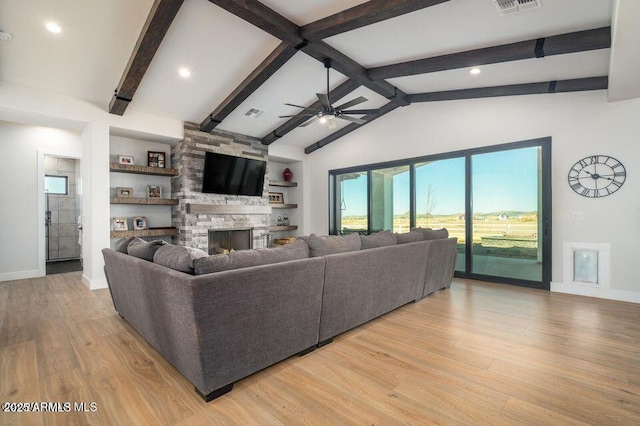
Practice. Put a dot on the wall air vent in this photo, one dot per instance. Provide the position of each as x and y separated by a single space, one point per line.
253 113
509 7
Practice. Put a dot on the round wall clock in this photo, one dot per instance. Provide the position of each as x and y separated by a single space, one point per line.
597 176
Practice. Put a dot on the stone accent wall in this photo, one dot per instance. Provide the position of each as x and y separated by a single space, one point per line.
188 157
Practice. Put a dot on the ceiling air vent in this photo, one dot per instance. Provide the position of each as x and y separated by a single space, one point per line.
508 7
253 113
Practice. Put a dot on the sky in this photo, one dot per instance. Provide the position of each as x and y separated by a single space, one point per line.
504 180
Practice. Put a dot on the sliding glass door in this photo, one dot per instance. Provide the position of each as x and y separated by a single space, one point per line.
496 201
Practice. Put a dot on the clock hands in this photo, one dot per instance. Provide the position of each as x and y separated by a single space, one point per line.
596 175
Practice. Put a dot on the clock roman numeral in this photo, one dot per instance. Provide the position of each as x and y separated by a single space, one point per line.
576 186
616 183
593 159
585 192
583 163
573 178
619 174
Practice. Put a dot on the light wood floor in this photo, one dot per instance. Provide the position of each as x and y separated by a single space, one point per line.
476 354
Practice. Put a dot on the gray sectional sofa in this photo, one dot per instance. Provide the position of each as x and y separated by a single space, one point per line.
221 318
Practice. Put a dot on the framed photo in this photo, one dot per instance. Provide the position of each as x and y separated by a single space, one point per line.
139 223
154 191
276 198
156 159
122 192
120 224
125 159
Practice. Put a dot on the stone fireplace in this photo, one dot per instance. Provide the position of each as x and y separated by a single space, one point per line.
225 240
198 213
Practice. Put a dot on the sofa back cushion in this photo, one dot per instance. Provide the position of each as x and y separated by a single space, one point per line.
332 244
248 258
433 234
378 239
180 258
123 244
412 236
143 249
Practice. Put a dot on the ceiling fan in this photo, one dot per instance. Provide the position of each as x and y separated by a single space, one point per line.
328 112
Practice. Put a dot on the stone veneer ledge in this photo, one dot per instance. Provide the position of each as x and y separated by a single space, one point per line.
188 157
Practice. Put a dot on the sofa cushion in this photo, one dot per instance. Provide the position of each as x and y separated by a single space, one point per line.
143 249
180 258
123 244
412 236
247 258
433 234
332 244
378 239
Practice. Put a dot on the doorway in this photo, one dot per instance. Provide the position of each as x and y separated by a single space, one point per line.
62 214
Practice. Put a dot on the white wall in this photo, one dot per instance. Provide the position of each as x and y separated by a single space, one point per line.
20 216
580 124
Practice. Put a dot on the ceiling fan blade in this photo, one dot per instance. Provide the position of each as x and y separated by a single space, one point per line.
324 100
309 122
352 102
360 111
297 115
351 119
299 106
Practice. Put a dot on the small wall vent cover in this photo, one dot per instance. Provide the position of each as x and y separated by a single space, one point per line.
508 7
254 113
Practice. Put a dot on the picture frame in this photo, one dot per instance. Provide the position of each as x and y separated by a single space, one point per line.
122 192
156 159
120 224
154 191
139 223
276 198
125 159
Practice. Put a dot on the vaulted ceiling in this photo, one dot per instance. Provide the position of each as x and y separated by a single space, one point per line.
247 54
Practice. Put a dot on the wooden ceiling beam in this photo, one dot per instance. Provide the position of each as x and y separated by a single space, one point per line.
387 108
579 41
265 70
158 22
264 18
560 86
362 15
338 93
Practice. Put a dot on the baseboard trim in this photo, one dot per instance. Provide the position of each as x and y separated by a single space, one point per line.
94 284
21 275
602 293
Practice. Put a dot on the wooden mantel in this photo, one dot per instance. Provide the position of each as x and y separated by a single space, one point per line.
227 209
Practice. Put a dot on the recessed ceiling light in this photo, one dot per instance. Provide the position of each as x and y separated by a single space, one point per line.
474 71
184 72
53 27
5 35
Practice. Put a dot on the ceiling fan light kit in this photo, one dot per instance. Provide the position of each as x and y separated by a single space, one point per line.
328 112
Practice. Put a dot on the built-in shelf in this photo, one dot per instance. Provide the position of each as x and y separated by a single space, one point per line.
145 201
142 170
158 232
283 183
282 228
284 206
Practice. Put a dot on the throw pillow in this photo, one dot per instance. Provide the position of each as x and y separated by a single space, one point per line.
433 234
248 258
180 258
143 249
378 239
410 237
123 244
332 244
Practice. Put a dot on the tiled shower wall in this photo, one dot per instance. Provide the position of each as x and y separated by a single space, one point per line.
63 234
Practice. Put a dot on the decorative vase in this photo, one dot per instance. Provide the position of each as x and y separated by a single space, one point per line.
287 175
279 221
285 220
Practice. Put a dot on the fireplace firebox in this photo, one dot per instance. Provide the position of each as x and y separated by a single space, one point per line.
225 240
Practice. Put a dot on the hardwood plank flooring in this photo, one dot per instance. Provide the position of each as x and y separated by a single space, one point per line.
479 353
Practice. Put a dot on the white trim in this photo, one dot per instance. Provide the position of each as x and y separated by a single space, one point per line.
602 293
94 284
42 255
20 275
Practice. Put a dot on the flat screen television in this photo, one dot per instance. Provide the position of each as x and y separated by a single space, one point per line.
225 174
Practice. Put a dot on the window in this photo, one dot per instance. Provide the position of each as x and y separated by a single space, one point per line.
390 193
57 185
352 212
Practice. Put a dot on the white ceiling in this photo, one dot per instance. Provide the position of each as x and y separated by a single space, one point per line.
87 59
